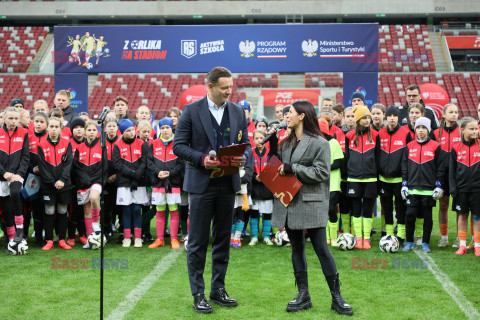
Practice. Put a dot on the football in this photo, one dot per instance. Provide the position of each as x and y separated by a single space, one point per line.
89 66
281 239
18 249
95 241
106 50
346 241
389 244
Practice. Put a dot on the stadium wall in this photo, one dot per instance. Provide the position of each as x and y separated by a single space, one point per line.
246 9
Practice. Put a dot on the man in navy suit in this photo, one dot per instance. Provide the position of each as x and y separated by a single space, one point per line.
205 125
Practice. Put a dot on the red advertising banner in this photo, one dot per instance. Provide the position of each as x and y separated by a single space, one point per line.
273 97
434 97
463 42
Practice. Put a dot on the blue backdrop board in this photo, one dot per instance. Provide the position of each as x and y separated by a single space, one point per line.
240 48
365 82
77 85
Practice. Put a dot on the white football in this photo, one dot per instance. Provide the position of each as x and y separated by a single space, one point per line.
281 239
89 66
17 249
94 240
389 244
346 241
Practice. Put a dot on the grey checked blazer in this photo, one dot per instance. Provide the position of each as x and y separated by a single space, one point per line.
311 165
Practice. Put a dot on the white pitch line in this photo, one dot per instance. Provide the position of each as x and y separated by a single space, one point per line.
447 284
131 300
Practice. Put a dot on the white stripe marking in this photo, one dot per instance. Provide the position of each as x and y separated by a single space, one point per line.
131 300
447 284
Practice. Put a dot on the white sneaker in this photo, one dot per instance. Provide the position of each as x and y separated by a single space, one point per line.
419 241
443 243
138 243
126 243
267 241
253 242
185 242
456 244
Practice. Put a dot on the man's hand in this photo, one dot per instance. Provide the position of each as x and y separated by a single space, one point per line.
257 177
59 185
280 170
237 161
36 170
210 163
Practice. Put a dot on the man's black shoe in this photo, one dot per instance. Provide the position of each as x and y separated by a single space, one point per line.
200 304
221 298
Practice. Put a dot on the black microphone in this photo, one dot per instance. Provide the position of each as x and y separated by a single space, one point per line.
103 115
282 125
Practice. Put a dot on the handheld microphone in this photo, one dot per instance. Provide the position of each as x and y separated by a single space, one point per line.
103 115
212 154
282 125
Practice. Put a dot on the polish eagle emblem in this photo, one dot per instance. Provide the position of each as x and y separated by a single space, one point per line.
309 47
246 48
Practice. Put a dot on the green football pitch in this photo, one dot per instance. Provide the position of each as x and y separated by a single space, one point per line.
142 283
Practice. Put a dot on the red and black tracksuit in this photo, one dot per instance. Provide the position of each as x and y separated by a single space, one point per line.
111 210
448 137
14 158
75 212
130 162
88 164
55 164
464 176
162 158
423 165
392 147
36 206
361 165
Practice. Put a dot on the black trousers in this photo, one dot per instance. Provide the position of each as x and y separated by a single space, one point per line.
318 237
391 190
214 206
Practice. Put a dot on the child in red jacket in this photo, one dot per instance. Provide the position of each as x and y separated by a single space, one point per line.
14 162
130 161
90 177
55 164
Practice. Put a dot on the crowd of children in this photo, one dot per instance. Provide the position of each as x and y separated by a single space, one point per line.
410 167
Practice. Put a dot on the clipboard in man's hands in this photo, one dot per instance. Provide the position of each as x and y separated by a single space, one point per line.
282 187
225 155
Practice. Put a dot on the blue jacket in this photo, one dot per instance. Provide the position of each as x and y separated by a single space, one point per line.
194 140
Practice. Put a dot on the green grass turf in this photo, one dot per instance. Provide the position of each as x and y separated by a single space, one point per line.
260 278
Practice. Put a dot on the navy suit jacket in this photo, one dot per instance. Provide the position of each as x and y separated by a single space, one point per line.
194 140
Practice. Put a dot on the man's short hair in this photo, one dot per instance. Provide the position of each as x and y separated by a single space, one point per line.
339 108
327 99
217 73
120 98
65 93
413 87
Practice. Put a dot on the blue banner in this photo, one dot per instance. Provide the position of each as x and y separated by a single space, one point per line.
77 86
240 48
365 82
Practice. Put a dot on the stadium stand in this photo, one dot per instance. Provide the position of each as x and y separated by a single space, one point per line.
18 47
29 87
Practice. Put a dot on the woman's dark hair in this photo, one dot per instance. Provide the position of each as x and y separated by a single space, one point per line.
310 123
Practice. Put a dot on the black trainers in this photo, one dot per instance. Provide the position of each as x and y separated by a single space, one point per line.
18 235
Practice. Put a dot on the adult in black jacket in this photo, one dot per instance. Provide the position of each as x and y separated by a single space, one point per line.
62 101
413 93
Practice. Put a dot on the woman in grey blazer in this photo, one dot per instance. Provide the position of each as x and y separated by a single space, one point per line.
305 153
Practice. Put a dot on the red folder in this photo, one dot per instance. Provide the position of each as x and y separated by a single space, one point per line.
282 187
225 155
